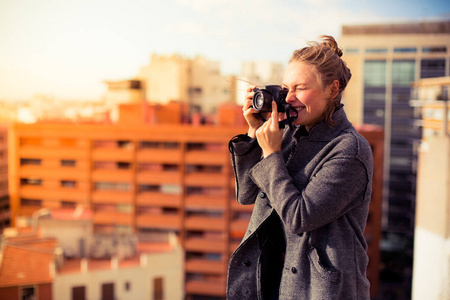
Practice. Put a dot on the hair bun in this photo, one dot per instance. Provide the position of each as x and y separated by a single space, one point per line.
329 41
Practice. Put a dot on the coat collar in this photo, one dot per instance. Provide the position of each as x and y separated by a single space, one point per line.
321 132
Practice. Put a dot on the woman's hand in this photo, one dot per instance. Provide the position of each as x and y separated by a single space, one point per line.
249 113
269 135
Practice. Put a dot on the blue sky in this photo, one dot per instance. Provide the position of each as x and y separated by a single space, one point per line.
67 48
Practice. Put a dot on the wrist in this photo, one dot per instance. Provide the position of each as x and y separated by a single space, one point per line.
251 133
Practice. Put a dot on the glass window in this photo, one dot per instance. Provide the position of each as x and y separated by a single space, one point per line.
68 183
432 68
434 49
405 50
403 72
376 50
375 73
68 163
30 161
351 50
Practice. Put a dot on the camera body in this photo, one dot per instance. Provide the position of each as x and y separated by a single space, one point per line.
262 102
263 97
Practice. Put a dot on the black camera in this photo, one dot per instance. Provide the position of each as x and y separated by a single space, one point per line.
263 97
262 102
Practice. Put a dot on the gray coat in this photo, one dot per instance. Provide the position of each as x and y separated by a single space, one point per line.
305 236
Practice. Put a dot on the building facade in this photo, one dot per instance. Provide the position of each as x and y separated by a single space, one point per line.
150 178
4 195
46 259
431 275
385 59
195 81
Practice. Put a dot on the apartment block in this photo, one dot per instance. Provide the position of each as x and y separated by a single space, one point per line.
196 81
149 178
57 256
4 197
432 228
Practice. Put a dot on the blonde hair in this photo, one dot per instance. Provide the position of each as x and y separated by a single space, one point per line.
325 57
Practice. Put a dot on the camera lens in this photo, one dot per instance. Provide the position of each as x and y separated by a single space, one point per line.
262 101
258 101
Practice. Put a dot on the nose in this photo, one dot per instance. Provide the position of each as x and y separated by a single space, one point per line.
290 97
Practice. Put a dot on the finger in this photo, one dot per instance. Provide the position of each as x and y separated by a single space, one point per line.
251 88
274 117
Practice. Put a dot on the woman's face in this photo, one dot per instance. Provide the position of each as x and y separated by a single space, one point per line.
306 93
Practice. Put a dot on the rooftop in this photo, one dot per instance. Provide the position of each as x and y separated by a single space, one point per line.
431 27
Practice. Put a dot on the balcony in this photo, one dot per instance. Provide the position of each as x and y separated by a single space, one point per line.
166 156
76 194
205 223
205 245
112 175
235 206
207 179
53 172
159 177
160 221
206 287
205 266
53 152
239 227
117 197
112 217
201 202
205 157
158 199
112 154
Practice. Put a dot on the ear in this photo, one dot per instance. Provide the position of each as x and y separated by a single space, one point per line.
334 89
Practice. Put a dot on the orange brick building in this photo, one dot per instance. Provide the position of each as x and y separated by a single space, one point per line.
143 175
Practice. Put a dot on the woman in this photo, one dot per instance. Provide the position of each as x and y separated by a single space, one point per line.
311 186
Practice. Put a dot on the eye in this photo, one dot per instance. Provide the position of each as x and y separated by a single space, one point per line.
299 89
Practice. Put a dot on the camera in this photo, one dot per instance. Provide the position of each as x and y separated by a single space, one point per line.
263 97
262 102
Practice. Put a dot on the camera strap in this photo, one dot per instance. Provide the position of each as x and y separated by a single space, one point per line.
289 119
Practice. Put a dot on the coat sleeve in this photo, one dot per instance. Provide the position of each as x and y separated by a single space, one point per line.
339 185
245 153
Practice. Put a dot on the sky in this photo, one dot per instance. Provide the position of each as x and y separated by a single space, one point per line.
66 49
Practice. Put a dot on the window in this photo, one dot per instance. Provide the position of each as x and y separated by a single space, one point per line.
28 293
351 50
112 186
108 291
30 202
375 73
124 144
434 49
405 50
79 293
68 204
30 161
432 68
403 72
376 50
68 183
158 288
68 163
30 181
159 145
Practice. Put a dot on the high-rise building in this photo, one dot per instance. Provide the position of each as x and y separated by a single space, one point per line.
431 274
150 177
385 59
